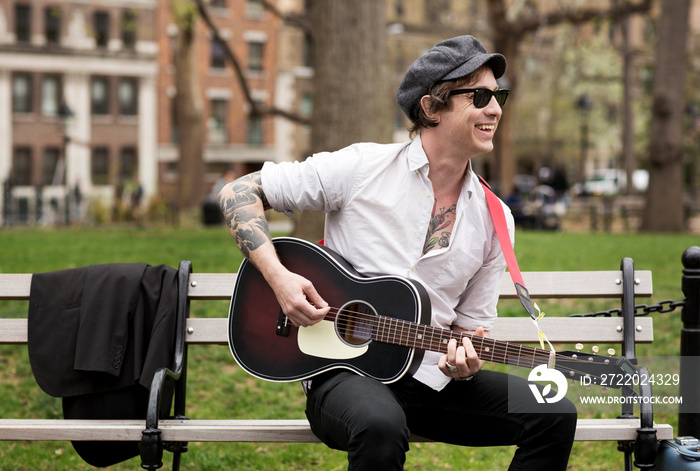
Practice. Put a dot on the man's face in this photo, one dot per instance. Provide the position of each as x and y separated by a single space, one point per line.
469 129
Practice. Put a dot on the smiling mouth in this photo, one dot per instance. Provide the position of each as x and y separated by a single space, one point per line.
486 127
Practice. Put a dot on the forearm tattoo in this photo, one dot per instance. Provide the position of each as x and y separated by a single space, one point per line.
240 207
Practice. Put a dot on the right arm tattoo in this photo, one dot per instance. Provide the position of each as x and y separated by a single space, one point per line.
243 203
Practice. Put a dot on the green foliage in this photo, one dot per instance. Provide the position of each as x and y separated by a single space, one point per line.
185 13
217 388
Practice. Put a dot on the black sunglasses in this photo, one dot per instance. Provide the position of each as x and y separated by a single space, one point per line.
482 96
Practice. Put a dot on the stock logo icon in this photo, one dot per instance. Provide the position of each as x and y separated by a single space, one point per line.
543 374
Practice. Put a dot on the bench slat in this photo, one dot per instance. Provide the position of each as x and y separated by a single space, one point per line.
289 431
15 286
211 285
616 429
577 284
78 430
571 329
541 284
13 331
552 284
508 329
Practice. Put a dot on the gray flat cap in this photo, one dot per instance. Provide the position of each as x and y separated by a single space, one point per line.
447 60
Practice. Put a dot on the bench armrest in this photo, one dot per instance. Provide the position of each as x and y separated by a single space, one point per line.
165 379
645 445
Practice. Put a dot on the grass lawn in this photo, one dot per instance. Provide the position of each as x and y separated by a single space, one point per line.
219 389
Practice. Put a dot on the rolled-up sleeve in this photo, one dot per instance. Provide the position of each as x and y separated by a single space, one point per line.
321 182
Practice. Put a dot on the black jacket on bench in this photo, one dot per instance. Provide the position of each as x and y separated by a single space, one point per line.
96 336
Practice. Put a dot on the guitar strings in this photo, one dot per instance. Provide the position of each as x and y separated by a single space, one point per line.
499 350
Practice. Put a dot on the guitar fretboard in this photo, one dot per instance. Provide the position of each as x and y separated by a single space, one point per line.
425 337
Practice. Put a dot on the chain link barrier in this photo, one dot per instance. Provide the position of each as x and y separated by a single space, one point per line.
639 310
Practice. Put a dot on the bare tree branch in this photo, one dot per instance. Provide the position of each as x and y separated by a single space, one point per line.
529 23
301 21
255 108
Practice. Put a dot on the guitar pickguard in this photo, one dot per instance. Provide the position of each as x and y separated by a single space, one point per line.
321 340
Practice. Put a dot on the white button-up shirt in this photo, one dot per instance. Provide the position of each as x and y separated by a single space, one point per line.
378 202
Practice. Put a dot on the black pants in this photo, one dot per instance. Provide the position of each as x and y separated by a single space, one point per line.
373 421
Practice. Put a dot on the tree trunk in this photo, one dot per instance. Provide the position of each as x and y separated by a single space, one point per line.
504 165
188 106
351 86
664 199
629 161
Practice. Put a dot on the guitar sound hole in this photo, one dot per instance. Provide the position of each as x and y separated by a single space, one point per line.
355 322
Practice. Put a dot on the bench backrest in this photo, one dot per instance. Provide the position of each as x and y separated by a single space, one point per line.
556 284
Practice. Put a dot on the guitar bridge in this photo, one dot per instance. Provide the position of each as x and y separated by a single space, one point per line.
282 324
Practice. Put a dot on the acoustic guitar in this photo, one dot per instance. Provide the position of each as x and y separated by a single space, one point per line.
378 327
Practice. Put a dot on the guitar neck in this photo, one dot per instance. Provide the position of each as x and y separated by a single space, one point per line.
435 339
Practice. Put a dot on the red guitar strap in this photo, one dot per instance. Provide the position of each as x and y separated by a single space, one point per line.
499 221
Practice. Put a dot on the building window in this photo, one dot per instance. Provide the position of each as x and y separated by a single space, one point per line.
437 11
173 119
130 23
399 9
101 28
255 129
21 93
22 166
23 23
218 55
307 50
218 121
474 9
52 174
99 168
52 25
99 95
128 164
172 46
307 104
255 56
128 96
50 95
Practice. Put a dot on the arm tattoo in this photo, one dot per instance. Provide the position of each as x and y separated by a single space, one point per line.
240 206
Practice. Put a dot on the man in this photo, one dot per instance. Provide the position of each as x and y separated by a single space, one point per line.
415 210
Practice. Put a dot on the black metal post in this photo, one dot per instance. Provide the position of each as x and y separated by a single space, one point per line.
689 423
67 198
39 204
7 203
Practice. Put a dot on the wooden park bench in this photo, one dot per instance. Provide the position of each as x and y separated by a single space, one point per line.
636 436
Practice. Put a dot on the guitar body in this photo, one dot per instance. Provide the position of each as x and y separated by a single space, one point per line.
268 346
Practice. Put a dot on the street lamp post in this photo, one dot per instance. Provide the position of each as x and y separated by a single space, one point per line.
65 115
583 104
693 113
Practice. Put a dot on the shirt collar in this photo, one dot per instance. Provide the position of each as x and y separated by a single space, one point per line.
416 155
470 180
418 160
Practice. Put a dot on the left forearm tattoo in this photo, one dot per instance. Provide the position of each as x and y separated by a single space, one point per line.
240 204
